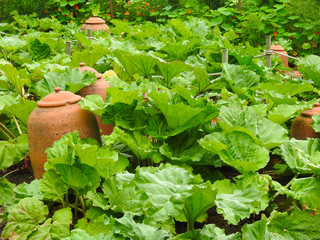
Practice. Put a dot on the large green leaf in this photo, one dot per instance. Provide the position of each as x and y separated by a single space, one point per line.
302 156
297 225
167 188
55 228
310 67
52 187
239 78
13 151
128 228
250 194
18 107
25 190
208 232
89 56
24 218
256 231
14 76
237 149
171 70
202 198
6 191
307 190
265 132
178 115
238 205
39 50
93 103
135 64
70 80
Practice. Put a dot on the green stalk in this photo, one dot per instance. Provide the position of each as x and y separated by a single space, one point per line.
83 205
76 208
288 185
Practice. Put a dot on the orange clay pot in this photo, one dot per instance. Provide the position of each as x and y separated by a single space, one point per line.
97 88
280 49
96 24
301 126
57 114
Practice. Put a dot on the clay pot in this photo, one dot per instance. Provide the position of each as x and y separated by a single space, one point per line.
57 114
96 24
280 49
301 126
97 88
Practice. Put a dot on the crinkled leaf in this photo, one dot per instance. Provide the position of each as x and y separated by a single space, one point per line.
18 107
237 149
89 56
307 190
310 67
284 112
257 230
79 234
14 76
6 191
302 156
127 227
71 80
136 64
238 205
52 187
39 50
13 152
24 218
265 132
93 103
25 190
239 78
316 122
297 225
55 228
171 70
112 168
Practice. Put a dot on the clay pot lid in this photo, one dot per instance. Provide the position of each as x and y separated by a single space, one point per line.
313 111
95 20
277 47
59 98
82 67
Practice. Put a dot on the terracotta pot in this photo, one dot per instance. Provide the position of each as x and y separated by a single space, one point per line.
57 114
97 88
96 24
280 49
301 126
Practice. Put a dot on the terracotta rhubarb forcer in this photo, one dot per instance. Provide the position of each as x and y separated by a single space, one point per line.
97 88
280 49
96 24
301 126
57 114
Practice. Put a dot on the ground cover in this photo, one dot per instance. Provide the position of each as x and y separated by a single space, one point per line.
192 156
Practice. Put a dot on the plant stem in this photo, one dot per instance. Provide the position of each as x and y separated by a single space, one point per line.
17 124
4 128
7 174
288 185
76 209
83 204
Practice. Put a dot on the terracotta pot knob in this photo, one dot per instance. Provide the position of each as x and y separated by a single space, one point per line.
95 16
316 104
276 43
57 89
82 64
